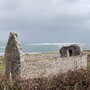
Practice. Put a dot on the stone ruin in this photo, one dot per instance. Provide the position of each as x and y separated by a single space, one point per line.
72 50
16 67
12 57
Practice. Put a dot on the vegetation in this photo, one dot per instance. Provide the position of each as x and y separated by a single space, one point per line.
72 80
2 67
88 65
88 52
2 60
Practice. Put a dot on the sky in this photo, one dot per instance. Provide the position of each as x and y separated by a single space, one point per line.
46 20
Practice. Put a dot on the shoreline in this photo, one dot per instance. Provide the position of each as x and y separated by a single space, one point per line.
39 56
29 53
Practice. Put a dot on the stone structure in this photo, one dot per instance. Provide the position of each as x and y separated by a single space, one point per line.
12 57
72 50
46 65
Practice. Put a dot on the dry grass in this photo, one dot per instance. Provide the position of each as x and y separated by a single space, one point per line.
72 80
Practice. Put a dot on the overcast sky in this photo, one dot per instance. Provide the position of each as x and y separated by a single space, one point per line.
46 20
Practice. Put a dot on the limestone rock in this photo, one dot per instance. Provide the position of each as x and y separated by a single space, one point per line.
12 57
72 50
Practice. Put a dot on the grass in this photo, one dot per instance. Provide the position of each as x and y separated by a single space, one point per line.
2 59
2 67
88 52
88 65
72 80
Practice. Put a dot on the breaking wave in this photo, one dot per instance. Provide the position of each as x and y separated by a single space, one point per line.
57 44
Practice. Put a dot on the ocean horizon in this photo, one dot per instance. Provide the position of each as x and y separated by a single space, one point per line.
43 47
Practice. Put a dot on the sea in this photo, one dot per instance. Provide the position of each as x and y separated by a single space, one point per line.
43 47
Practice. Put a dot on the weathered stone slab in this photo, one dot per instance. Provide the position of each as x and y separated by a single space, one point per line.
12 57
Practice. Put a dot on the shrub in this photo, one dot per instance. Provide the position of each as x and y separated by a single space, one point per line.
72 80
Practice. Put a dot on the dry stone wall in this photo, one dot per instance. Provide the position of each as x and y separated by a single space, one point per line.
45 68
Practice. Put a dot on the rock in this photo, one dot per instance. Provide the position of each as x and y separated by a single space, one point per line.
12 57
72 50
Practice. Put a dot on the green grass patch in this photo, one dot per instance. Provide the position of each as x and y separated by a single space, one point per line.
88 65
2 67
2 60
88 53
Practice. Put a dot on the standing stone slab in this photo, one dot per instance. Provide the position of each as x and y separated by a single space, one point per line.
12 57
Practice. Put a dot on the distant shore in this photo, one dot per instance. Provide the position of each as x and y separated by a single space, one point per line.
38 56
27 53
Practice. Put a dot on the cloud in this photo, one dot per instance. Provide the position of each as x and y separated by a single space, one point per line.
9 5
44 7
29 13
45 16
71 1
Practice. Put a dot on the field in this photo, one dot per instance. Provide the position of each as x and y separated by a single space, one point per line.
38 57
72 80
